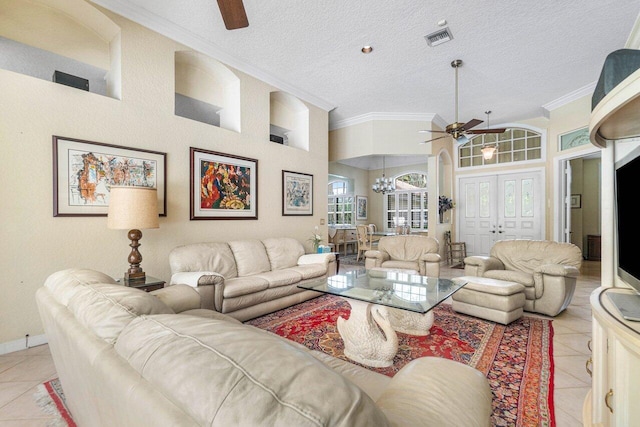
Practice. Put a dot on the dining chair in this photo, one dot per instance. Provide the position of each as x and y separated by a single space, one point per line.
365 240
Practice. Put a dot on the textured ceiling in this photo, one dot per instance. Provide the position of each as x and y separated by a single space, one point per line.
518 55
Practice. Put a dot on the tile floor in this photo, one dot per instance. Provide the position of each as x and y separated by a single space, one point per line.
21 372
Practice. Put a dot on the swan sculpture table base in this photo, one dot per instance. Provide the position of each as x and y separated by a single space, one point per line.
369 334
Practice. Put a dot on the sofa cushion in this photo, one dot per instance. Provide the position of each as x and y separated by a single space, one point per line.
204 257
244 286
309 271
280 277
402 265
283 252
106 308
241 376
251 257
65 283
521 277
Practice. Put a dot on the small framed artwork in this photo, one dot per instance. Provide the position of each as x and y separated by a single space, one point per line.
297 193
361 207
576 201
574 138
223 186
84 171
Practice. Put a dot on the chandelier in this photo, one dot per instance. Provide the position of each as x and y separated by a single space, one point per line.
384 185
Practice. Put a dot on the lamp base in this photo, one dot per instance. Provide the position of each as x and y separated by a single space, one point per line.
136 277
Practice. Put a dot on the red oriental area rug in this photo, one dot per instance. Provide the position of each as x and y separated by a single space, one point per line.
517 359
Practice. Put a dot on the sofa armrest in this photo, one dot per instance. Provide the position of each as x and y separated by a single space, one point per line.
429 264
325 258
374 258
558 270
179 297
476 265
457 395
328 259
210 286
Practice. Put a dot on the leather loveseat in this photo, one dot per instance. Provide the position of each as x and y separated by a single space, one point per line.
250 278
407 252
547 270
125 358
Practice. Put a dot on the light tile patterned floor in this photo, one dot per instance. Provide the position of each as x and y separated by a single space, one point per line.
21 372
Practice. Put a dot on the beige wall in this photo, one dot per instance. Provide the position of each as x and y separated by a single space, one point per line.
35 244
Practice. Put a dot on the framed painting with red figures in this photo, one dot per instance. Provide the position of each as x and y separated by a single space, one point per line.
223 186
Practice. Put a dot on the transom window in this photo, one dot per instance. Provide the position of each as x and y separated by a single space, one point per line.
340 204
514 145
407 206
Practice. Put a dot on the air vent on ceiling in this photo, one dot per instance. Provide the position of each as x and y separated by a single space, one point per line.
438 37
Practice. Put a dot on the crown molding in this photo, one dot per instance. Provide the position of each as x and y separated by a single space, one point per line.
191 40
570 97
368 117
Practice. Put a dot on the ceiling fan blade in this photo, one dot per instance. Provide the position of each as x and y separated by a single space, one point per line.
471 123
494 130
233 14
434 139
431 131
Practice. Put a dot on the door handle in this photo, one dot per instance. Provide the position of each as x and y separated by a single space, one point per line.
500 229
606 400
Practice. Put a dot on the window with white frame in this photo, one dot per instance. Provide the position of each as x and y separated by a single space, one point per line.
407 206
513 145
340 204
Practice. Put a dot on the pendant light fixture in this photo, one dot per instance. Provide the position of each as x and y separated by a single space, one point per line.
384 185
488 150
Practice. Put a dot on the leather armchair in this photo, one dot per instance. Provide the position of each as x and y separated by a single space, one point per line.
547 269
419 253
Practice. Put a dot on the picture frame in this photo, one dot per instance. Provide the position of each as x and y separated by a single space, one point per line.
222 186
576 201
573 139
84 171
297 193
362 203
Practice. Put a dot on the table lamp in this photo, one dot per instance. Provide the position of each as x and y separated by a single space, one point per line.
133 208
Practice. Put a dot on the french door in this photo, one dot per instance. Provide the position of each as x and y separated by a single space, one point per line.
498 207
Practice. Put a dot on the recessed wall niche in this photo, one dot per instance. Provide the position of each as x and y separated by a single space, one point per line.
289 120
206 91
40 37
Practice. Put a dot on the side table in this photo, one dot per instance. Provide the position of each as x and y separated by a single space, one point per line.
148 285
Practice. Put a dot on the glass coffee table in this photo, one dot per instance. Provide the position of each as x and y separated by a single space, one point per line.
383 302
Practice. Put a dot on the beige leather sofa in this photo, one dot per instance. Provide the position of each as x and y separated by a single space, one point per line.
407 252
547 270
250 278
124 358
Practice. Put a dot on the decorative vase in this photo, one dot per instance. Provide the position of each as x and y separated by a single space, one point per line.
442 217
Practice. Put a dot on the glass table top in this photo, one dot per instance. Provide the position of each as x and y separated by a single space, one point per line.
392 288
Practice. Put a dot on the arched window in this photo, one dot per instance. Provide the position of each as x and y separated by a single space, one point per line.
514 145
340 203
408 204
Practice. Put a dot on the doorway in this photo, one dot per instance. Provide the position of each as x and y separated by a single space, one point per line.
500 206
578 195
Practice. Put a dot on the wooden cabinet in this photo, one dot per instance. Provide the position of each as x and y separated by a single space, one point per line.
593 247
615 389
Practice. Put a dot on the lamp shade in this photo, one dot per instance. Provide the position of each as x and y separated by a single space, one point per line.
133 208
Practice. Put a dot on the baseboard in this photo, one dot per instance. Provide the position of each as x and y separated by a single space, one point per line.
21 344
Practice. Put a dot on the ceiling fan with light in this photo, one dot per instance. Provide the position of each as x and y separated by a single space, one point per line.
457 130
233 14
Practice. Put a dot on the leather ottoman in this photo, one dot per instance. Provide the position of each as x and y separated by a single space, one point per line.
495 300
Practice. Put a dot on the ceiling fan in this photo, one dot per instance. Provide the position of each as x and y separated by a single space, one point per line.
233 14
457 130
